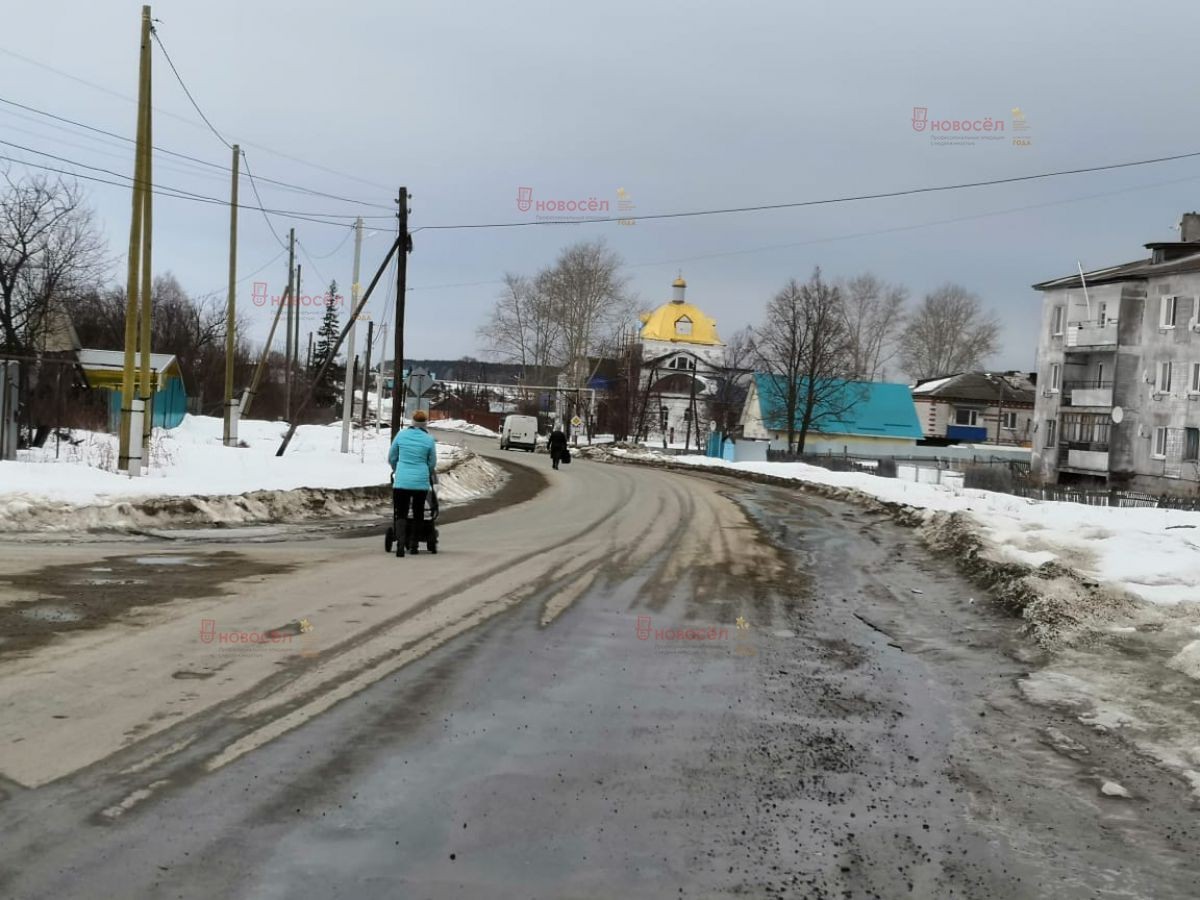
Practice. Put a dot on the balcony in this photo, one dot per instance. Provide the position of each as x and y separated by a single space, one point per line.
1083 456
1091 334
1088 393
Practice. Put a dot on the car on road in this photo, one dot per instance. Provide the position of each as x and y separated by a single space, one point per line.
519 432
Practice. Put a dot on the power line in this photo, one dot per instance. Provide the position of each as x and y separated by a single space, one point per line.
258 196
907 192
179 78
180 193
855 235
164 192
203 162
225 288
341 244
187 121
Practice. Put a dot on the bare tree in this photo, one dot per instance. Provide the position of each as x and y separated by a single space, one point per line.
724 401
874 314
803 345
521 328
588 301
948 333
50 252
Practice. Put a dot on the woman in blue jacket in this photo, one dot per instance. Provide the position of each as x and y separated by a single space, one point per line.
413 457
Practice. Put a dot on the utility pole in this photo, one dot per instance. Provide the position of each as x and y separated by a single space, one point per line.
248 397
308 356
293 290
294 362
367 374
379 379
231 421
400 392
128 460
387 261
147 391
348 392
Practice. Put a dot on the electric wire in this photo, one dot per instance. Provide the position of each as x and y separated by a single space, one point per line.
828 201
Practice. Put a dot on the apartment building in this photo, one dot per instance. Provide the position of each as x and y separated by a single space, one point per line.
1118 386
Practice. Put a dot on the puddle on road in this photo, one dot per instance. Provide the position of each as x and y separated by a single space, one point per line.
67 602
169 561
50 613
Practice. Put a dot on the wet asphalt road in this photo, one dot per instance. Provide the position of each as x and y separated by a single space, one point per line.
860 737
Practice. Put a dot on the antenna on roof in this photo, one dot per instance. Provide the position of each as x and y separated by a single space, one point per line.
1083 281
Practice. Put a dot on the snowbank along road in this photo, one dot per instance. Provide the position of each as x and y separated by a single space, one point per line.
633 683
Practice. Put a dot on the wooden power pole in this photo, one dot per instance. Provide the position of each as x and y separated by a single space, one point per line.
399 391
130 459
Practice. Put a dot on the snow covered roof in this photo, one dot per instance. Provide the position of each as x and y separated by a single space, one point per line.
115 359
984 387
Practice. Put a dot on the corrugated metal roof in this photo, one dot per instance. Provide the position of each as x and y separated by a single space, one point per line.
870 408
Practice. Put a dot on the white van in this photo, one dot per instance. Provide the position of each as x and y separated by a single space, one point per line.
519 432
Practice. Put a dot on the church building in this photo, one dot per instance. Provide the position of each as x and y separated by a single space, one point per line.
682 357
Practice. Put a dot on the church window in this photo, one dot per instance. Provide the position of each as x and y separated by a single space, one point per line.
683 325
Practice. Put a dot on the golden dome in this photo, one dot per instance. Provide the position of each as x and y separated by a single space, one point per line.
679 282
681 323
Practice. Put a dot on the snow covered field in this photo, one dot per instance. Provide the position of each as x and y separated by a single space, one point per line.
190 461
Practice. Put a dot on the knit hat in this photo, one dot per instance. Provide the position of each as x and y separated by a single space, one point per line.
419 417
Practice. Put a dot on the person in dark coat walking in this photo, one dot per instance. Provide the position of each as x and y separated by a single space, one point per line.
558 446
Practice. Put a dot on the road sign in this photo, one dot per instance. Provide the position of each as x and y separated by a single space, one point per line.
576 421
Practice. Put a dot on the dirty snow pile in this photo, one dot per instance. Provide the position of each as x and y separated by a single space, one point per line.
76 480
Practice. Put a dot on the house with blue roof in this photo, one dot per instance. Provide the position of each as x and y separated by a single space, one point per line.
850 416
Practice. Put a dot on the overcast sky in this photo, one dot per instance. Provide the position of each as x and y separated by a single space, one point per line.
683 105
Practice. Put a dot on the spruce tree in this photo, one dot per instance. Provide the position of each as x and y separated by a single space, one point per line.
325 393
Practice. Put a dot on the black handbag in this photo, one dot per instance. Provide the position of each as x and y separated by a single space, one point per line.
566 456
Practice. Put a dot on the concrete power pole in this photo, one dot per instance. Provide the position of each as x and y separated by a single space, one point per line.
348 392
230 437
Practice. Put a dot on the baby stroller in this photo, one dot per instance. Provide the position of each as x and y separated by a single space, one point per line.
429 531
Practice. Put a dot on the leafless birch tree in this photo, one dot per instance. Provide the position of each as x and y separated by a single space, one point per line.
949 332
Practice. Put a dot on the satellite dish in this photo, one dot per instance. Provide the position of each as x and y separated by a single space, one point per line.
1117 415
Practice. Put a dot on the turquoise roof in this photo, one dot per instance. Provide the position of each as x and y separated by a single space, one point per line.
871 408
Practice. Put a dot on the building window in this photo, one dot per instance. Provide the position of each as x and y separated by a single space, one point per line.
1162 383
1160 443
1103 316
1055 374
966 417
1051 429
1191 444
1195 385
683 325
1168 306
1008 420
681 362
1056 325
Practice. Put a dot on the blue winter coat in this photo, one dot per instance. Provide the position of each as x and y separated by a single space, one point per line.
413 455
